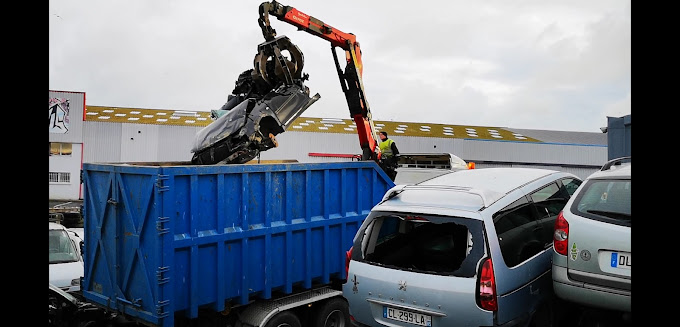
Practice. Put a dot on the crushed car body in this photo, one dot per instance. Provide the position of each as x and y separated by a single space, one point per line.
264 102
238 135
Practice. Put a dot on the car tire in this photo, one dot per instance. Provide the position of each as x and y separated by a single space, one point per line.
284 319
332 313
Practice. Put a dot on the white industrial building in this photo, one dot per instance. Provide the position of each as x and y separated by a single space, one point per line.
80 133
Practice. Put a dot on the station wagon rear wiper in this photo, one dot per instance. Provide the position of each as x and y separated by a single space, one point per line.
611 214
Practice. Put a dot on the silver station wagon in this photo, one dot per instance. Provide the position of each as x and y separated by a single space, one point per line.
469 248
592 241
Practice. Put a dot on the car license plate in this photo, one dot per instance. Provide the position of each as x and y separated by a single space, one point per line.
620 260
407 316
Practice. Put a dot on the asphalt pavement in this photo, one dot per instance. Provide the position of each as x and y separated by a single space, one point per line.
572 315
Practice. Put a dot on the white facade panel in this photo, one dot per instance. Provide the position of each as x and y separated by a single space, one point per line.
69 165
66 111
175 142
580 172
298 145
139 142
99 140
414 144
102 142
530 152
144 142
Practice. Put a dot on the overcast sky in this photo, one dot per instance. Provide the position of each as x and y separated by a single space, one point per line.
536 64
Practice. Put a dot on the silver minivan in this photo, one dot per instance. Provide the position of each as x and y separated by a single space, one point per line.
469 248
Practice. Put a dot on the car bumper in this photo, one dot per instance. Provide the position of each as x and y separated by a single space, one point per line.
587 294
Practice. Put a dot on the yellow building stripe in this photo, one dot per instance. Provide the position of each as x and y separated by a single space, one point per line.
305 124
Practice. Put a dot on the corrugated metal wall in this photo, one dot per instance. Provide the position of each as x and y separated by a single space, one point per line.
532 152
139 142
115 142
506 151
102 142
298 145
175 143
580 172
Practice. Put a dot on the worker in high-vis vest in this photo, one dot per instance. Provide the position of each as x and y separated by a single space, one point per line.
388 151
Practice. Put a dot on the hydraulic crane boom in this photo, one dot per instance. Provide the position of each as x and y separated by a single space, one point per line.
350 79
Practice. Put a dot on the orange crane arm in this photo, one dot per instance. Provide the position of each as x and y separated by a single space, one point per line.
350 79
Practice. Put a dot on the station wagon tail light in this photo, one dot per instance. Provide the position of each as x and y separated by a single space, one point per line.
487 287
416 218
348 258
561 235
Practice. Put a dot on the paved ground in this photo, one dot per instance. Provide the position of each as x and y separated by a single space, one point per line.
570 315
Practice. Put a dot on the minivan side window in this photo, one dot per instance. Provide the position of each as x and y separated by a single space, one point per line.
549 201
515 227
571 185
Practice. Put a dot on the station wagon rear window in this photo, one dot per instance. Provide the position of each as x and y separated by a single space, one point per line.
421 243
605 200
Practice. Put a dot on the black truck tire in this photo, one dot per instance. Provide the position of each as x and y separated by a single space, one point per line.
333 312
284 319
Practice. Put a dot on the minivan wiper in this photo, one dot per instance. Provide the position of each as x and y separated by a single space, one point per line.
611 214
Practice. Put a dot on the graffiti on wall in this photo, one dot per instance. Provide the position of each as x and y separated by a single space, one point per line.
59 117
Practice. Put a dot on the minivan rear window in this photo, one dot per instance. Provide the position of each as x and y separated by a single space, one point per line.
422 243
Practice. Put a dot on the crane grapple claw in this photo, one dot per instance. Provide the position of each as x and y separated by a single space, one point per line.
272 66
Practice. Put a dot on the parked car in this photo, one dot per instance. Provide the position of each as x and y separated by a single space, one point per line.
66 262
413 168
471 247
591 262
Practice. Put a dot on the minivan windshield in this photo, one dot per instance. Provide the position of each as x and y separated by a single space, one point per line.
62 249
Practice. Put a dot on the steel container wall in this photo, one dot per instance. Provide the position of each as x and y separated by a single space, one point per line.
166 238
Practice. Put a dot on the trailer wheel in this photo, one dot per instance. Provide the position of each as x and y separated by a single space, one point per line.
284 319
332 313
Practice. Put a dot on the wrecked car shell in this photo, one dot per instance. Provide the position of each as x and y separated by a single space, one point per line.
265 100
238 135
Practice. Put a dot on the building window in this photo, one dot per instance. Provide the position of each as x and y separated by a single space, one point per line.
61 149
60 177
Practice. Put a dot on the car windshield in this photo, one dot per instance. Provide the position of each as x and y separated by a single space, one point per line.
605 198
61 247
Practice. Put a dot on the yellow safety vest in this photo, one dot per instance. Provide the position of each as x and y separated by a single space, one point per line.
386 148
